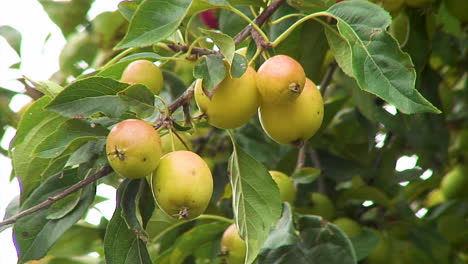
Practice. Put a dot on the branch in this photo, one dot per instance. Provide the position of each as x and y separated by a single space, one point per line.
195 50
301 156
260 20
317 164
328 77
96 176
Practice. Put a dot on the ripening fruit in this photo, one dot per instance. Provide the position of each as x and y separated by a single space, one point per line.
233 103
182 184
458 8
285 185
349 226
455 183
295 121
233 246
280 80
434 198
320 205
146 73
170 142
133 148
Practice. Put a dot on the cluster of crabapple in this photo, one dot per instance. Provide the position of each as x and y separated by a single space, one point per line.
290 109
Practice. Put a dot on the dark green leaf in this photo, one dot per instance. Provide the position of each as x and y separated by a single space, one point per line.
86 152
365 193
188 242
88 96
13 37
153 21
129 207
12 209
311 6
239 66
35 234
69 137
376 61
36 125
79 240
364 243
320 242
61 208
256 201
211 69
140 100
81 47
142 56
284 233
121 244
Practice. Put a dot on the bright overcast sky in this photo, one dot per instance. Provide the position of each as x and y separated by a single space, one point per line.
40 61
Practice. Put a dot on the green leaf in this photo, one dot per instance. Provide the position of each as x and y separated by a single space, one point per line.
122 245
67 14
239 66
88 96
48 88
128 8
61 208
378 64
187 243
311 6
224 42
256 201
79 240
86 152
305 175
153 21
12 36
35 234
319 242
12 209
364 243
141 56
140 100
69 137
36 125
284 233
129 206
211 69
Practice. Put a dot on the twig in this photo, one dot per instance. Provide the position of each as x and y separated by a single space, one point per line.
259 40
260 20
328 77
204 139
316 161
96 176
195 50
301 156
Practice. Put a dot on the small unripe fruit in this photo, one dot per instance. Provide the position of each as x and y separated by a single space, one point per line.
233 103
349 226
146 73
285 185
280 80
182 184
455 183
295 121
133 148
233 246
169 139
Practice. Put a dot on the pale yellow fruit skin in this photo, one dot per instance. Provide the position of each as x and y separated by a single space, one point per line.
285 185
182 180
234 102
296 121
146 73
167 139
276 75
139 146
233 245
